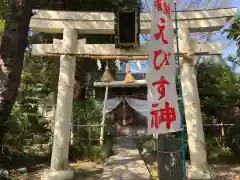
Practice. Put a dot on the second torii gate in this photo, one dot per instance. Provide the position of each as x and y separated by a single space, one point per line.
73 23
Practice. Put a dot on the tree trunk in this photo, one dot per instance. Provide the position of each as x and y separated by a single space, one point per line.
13 44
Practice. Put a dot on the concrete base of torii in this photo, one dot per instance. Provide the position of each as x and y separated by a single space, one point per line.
67 174
196 174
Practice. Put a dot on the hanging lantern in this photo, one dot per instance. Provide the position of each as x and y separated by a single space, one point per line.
90 92
127 36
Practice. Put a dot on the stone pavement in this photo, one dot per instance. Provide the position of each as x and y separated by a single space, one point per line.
126 163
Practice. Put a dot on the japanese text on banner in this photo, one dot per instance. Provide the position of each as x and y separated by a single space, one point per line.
164 116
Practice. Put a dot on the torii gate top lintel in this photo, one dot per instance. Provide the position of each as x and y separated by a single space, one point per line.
49 21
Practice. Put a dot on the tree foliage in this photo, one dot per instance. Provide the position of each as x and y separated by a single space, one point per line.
234 30
233 33
26 121
219 89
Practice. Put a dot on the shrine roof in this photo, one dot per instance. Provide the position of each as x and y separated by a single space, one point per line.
136 83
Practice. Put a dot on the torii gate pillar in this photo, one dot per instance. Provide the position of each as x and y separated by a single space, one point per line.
196 140
59 163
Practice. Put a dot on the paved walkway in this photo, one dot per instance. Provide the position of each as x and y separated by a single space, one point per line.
126 164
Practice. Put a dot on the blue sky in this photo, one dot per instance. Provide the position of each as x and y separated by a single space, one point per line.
229 47
235 3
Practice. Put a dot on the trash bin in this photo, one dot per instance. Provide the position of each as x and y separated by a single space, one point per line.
170 158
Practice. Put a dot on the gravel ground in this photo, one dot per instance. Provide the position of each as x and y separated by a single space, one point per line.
223 171
84 171
92 171
227 172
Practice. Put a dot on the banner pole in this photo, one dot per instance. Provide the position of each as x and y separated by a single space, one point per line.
180 94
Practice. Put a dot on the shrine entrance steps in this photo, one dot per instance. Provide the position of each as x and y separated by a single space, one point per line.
126 163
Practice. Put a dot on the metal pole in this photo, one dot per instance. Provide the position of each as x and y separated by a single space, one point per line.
180 94
103 116
124 113
158 155
160 143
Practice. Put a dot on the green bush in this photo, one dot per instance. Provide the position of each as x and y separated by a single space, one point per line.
89 112
25 121
220 154
85 151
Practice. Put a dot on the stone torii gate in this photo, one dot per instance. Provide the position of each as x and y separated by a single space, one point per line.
70 24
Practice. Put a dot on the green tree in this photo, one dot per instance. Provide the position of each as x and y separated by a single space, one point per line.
234 30
13 44
219 89
26 121
233 33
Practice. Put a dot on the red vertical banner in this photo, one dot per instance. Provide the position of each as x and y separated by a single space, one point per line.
163 116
